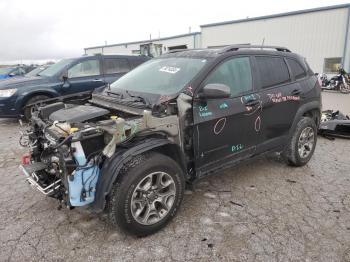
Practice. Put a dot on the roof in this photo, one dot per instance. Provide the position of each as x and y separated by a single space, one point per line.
305 11
237 49
145 41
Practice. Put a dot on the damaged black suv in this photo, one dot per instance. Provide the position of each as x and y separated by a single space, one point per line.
129 148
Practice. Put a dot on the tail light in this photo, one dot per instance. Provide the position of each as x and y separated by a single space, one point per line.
26 159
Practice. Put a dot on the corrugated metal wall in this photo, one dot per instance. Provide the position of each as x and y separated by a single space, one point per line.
316 35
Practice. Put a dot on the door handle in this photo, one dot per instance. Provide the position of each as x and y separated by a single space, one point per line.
97 80
296 92
252 103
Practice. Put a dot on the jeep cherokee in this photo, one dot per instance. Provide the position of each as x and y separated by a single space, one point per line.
130 147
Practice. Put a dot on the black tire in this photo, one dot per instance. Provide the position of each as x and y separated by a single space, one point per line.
292 153
27 111
344 89
119 207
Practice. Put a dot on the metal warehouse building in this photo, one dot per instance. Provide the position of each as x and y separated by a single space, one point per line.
321 35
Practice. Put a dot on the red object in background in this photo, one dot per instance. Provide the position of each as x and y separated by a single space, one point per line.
26 159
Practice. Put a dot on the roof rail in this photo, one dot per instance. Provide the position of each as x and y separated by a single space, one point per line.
183 50
237 47
176 50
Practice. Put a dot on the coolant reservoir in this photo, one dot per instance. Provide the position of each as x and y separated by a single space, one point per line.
82 183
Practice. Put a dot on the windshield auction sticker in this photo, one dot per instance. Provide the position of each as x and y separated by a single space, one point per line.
169 69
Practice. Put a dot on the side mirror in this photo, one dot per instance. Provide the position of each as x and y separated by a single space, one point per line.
215 91
64 76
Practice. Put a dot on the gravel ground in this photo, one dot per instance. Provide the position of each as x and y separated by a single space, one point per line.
262 211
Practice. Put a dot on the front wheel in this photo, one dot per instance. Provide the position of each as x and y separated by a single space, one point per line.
147 195
303 142
28 110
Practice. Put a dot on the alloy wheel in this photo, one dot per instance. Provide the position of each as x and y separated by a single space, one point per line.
306 142
153 198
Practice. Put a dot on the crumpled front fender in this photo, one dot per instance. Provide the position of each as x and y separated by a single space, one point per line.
112 166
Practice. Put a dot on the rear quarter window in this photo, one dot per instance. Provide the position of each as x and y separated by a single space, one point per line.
115 65
297 70
273 71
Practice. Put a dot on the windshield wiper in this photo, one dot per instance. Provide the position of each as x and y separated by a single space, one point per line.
140 98
117 94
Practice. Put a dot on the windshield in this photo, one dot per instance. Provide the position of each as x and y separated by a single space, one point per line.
56 68
36 71
163 76
5 71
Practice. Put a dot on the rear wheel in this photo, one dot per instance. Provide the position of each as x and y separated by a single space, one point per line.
303 142
148 194
28 110
344 88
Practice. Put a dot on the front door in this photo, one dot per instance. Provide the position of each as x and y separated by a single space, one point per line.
227 130
84 76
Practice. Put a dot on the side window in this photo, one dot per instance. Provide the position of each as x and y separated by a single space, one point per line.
85 68
297 70
235 73
273 71
331 64
116 65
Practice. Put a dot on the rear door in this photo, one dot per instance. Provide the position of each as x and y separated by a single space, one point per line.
84 76
300 76
224 129
114 68
280 97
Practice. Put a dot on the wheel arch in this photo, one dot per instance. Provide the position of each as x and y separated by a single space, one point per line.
112 166
28 96
314 114
174 152
310 109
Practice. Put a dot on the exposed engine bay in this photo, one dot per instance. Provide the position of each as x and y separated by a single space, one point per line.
69 142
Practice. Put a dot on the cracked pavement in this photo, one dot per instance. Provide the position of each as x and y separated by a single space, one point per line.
259 211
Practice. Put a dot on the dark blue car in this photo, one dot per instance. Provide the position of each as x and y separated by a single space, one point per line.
66 77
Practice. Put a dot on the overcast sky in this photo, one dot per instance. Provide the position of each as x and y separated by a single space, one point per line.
52 29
